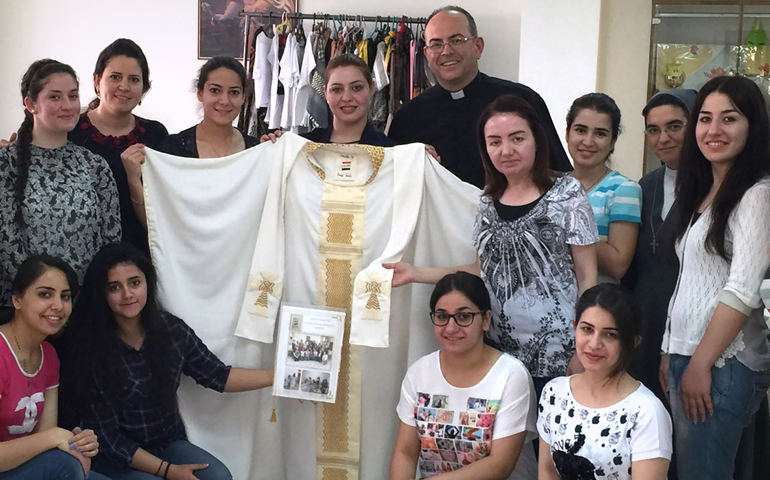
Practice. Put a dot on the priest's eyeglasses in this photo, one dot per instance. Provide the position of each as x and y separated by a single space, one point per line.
437 46
462 319
669 128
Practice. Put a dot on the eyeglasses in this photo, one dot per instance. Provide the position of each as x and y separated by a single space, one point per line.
673 127
437 46
462 319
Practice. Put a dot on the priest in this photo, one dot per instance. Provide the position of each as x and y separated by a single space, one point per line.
446 115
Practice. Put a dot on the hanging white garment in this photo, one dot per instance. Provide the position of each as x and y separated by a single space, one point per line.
289 77
301 117
275 106
380 71
204 217
263 72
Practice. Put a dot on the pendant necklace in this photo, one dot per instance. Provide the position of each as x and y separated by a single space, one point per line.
598 180
229 146
24 361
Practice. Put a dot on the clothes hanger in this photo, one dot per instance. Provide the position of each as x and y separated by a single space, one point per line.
285 25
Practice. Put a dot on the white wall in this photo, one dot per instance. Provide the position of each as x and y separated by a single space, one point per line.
560 52
624 58
75 31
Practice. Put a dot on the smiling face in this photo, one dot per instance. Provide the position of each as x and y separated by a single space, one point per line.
589 138
46 304
453 67
126 291
57 107
348 94
454 338
665 133
120 85
597 340
222 96
722 130
510 144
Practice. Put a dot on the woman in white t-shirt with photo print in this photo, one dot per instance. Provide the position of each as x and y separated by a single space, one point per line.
603 423
468 409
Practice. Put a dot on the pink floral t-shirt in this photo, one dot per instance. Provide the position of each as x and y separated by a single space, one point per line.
22 395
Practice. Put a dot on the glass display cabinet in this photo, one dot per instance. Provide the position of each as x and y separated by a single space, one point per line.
693 41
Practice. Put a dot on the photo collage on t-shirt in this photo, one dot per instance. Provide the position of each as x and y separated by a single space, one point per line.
452 439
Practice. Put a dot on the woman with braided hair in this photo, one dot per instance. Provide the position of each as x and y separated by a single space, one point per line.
55 197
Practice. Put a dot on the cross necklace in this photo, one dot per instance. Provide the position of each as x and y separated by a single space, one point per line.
654 243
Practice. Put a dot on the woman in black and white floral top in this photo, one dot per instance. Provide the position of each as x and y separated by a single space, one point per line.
603 423
535 236
55 197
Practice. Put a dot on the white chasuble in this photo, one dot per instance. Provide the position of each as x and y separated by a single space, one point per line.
333 217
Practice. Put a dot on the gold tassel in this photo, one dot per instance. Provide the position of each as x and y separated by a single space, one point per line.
273 416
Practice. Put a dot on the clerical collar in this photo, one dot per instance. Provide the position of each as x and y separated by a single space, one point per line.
468 89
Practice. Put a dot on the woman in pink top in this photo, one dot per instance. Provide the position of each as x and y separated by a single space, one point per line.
31 445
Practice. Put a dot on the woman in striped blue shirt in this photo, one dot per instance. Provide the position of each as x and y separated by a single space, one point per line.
593 127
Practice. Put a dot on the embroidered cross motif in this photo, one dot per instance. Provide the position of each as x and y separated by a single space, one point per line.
265 287
373 288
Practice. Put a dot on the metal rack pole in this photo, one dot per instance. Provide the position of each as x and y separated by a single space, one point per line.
327 16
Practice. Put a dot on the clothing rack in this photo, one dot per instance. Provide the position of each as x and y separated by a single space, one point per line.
325 17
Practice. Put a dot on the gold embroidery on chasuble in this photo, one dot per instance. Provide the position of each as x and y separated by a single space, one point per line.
341 245
373 288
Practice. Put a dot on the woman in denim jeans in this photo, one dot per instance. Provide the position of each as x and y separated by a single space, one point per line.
717 356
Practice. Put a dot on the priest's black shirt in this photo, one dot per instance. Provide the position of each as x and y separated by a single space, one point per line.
450 125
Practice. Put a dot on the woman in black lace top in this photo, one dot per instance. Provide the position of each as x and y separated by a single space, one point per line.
220 84
55 197
109 127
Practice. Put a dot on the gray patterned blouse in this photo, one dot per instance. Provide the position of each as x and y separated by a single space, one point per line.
528 268
70 208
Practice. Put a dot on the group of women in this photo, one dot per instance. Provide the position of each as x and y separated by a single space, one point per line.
511 325
543 242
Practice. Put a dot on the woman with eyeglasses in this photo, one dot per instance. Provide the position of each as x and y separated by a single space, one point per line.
466 410
535 236
654 270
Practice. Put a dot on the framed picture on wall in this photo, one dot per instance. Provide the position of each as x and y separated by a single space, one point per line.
220 26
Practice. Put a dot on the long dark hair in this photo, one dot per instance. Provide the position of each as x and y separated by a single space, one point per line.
695 177
122 47
32 83
624 307
95 331
33 268
542 175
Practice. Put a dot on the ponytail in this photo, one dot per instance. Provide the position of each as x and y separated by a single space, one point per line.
23 158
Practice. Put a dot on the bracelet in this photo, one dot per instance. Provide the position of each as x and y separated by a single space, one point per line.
165 474
157 472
